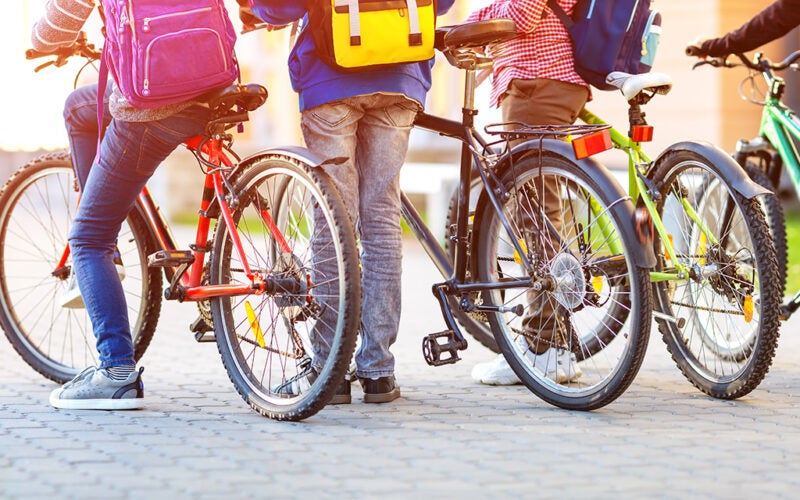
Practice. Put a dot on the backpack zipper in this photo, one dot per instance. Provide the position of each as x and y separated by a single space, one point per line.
147 20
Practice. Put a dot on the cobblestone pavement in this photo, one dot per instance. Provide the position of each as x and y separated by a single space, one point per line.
446 437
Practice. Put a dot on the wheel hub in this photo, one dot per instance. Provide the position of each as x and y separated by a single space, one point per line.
569 280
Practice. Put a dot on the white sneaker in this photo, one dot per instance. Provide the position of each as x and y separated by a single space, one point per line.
496 372
559 365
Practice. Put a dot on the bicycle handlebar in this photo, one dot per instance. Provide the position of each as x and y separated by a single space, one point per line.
758 63
80 47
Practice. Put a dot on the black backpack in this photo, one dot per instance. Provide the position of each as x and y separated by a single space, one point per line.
611 35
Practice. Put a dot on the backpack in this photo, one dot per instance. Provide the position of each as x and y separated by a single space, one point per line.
352 35
163 52
611 35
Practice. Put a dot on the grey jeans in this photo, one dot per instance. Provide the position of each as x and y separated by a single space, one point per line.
372 132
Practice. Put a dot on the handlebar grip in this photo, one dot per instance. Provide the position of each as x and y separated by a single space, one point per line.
35 54
694 50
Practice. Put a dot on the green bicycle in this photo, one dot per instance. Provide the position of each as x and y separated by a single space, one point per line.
716 298
773 149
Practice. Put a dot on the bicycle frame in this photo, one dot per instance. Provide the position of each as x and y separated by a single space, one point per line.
190 277
638 164
779 126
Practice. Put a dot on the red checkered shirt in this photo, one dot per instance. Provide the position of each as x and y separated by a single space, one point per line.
541 50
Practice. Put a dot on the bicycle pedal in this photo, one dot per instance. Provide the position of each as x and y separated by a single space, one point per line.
170 258
433 348
205 337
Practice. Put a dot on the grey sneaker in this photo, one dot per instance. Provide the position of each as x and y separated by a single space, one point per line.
93 389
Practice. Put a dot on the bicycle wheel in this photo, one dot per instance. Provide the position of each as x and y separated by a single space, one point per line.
776 220
37 206
726 312
580 268
287 350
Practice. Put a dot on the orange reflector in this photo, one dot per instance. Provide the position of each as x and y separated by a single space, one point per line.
642 133
748 309
591 144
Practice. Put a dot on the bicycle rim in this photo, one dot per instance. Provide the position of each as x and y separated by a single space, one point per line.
271 342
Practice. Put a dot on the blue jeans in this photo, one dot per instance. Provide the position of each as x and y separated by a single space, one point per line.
130 153
372 132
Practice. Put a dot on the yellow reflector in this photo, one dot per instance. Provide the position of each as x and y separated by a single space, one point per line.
254 325
597 283
702 248
524 248
748 308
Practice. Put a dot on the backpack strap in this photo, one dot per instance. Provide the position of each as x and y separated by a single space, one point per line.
102 81
560 14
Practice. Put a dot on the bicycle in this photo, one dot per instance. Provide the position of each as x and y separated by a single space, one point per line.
514 256
773 149
715 299
255 275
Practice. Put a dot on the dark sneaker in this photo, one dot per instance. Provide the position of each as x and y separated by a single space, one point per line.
380 390
303 382
94 389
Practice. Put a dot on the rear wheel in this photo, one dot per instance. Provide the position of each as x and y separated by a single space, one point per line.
37 206
287 350
555 322
726 313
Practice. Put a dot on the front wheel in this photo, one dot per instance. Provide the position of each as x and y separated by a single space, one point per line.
40 310
287 348
573 309
726 310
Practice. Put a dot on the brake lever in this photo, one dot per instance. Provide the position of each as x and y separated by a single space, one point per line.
43 66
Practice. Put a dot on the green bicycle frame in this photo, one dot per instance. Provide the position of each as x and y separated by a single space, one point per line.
638 162
779 125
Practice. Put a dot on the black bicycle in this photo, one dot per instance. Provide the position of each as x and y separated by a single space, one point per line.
549 255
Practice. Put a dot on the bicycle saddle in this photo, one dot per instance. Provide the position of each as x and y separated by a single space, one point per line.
247 97
631 85
474 35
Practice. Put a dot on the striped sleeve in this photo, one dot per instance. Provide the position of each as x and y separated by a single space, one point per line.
61 24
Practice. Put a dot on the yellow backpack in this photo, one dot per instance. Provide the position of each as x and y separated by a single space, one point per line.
357 34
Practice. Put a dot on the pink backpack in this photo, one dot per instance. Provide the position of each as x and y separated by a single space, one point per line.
163 52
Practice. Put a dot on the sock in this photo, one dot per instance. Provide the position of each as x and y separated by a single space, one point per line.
120 372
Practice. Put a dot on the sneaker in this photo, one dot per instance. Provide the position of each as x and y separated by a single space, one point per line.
559 365
303 381
380 390
496 372
94 389
72 298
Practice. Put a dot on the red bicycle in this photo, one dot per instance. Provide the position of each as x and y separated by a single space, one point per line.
272 269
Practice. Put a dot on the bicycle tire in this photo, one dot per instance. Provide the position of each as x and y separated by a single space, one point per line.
776 219
37 206
580 265
721 346
265 340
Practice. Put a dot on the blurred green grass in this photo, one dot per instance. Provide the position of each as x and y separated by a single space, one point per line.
793 242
